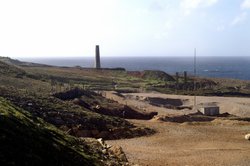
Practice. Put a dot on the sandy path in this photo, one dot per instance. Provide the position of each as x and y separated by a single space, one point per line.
207 143
176 144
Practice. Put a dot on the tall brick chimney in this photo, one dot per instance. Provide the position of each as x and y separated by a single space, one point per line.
97 57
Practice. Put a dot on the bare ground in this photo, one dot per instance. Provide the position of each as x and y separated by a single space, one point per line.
220 142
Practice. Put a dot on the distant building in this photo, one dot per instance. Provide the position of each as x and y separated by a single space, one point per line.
97 57
210 110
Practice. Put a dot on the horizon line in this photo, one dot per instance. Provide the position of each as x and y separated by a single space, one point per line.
129 56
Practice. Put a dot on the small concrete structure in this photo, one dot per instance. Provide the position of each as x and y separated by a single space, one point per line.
210 110
97 57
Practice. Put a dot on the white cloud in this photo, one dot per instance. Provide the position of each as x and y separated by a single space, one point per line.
168 26
220 28
239 19
188 5
142 12
156 6
245 4
161 35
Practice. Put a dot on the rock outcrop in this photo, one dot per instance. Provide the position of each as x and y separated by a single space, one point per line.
247 137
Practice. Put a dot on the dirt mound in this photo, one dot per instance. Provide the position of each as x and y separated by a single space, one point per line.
124 112
73 93
176 104
75 120
101 105
222 119
163 102
229 122
185 118
152 74
111 134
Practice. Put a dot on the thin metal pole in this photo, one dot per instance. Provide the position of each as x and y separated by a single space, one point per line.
194 78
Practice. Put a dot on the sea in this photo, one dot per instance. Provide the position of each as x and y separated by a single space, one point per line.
216 67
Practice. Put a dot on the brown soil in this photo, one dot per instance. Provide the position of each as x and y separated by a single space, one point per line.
214 142
97 103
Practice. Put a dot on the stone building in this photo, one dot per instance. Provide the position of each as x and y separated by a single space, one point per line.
210 110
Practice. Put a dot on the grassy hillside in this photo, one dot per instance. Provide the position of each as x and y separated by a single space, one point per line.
34 91
35 125
10 69
19 63
27 140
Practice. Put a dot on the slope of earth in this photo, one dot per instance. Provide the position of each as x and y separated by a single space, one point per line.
97 103
27 140
11 69
33 93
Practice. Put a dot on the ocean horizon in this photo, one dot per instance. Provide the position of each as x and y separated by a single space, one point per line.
215 67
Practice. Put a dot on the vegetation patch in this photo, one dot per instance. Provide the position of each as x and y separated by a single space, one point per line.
27 140
152 75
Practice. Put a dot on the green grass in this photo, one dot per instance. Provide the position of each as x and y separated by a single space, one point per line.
28 140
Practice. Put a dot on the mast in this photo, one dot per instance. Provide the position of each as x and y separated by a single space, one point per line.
194 78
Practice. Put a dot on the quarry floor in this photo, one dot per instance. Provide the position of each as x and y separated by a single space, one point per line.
220 142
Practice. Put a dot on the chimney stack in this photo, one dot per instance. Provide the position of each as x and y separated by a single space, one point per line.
97 57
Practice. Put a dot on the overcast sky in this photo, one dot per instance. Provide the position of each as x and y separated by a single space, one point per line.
72 28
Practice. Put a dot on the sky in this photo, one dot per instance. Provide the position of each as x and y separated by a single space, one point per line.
72 28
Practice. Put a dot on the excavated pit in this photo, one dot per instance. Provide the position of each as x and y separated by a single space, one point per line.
99 104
